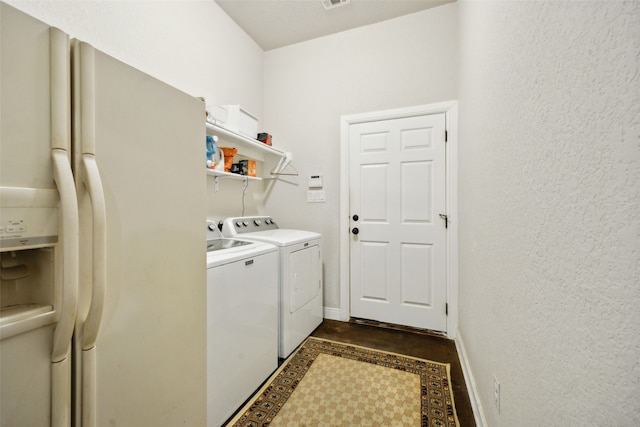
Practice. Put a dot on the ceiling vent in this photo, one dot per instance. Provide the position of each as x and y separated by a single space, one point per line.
331 4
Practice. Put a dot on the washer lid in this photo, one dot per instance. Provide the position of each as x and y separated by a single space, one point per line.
282 236
221 244
233 250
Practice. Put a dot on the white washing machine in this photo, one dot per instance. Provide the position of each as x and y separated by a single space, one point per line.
242 321
300 275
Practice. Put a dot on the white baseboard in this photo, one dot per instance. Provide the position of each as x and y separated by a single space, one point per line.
476 405
332 313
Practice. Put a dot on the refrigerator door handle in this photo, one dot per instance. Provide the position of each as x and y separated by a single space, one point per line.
90 177
60 85
93 183
60 356
84 60
91 327
69 207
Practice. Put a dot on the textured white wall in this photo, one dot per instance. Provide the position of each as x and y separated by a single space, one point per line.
550 209
191 45
407 61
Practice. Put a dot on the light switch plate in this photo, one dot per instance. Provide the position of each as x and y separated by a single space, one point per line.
316 196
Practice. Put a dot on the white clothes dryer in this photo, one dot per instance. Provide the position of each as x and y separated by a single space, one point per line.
300 275
242 321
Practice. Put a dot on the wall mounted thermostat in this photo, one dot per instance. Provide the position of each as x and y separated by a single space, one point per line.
315 181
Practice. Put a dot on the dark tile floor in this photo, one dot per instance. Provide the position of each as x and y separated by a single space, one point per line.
408 342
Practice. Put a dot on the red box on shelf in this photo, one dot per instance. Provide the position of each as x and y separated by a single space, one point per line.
264 137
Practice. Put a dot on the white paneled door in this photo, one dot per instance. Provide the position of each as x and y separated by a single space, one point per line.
398 237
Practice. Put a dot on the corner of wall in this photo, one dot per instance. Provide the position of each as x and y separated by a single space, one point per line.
474 397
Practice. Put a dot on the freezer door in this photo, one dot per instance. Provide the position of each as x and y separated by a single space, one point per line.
25 102
37 195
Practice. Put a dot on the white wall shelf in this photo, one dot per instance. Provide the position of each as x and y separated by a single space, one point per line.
229 175
248 147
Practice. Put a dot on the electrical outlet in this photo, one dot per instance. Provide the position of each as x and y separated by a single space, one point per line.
496 393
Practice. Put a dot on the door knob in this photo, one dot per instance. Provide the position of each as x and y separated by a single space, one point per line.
356 217
355 230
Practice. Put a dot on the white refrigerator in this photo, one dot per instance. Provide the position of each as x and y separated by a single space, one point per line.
102 207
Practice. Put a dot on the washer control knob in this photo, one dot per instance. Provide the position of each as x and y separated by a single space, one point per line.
245 223
257 222
238 223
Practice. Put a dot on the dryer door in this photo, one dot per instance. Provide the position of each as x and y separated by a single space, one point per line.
304 276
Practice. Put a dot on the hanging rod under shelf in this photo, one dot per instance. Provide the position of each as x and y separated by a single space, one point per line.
285 162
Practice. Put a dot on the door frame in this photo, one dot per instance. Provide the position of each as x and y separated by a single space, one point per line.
450 109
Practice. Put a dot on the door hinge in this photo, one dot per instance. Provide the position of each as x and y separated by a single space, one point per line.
446 136
446 309
446 220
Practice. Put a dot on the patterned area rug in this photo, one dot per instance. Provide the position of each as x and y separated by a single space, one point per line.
327 383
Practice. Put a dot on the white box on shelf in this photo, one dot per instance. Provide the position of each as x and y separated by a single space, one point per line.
234 118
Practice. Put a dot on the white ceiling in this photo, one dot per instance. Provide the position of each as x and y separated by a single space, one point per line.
277 23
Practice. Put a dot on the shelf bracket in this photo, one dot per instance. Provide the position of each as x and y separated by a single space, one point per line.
284 163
